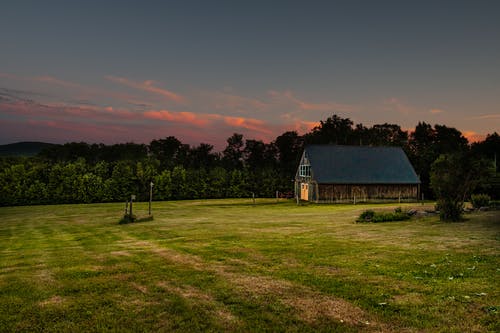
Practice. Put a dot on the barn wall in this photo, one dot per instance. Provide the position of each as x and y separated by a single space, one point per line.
369 192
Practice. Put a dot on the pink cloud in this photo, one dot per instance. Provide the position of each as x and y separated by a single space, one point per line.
487 116
148 86
204 120
290 98
436 111
10 76
63 131
81 92
472 136
181 117
248 123
51 111
302 126
53 80
46 123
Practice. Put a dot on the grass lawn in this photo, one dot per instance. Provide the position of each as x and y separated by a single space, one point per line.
228 265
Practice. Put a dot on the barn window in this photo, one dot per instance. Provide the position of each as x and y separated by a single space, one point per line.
305 170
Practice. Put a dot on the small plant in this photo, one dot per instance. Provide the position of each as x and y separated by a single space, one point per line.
366 216
449 210
371 216
134 219
480 200
127 218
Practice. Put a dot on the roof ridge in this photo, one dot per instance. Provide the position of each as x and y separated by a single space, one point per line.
349 146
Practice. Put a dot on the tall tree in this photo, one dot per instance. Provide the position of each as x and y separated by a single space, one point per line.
232 156
453 178
289 147
168 151
202 157
334 129
254 154
388 135
489 149
427 143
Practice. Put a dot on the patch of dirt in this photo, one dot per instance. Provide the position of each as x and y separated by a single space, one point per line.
186 292
179 258
309 305
313 307
122 276
411 298
141 288
329 270
96 268
45 276
198 295
121 253
126 303
53 301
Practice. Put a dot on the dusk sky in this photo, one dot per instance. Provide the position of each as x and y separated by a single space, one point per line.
133 71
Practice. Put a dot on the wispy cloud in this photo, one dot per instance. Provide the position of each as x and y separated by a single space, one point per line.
178 117
53 80
436 111
248 123
303 126
487 116
72 91
395 104
288 97
230 102
149 86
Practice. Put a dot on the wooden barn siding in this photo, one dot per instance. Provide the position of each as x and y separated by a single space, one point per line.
347 193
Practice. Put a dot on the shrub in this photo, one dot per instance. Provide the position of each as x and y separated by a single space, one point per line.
449 210
127 218
371 216
388 217
366 216
480 200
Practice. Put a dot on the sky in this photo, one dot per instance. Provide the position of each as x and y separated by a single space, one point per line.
133 71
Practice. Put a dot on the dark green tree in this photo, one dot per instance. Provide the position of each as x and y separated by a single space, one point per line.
163 186
168 151
202 157
453 178
334 130
232 156
387 135
289 148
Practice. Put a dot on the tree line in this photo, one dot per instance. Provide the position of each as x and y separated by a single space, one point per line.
87 173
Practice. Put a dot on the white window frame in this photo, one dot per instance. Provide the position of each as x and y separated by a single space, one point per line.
305 170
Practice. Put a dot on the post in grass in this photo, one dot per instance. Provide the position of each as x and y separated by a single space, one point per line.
150 196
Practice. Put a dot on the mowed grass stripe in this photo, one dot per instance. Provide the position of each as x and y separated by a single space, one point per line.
229 265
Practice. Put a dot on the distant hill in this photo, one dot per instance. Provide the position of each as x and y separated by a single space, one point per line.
23 148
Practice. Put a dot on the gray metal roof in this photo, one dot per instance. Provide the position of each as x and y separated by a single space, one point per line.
360 165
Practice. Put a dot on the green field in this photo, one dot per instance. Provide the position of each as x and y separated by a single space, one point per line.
229 265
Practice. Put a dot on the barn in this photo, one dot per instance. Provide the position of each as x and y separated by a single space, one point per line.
335 173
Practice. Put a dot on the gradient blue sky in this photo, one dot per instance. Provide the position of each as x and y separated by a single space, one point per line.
117 71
